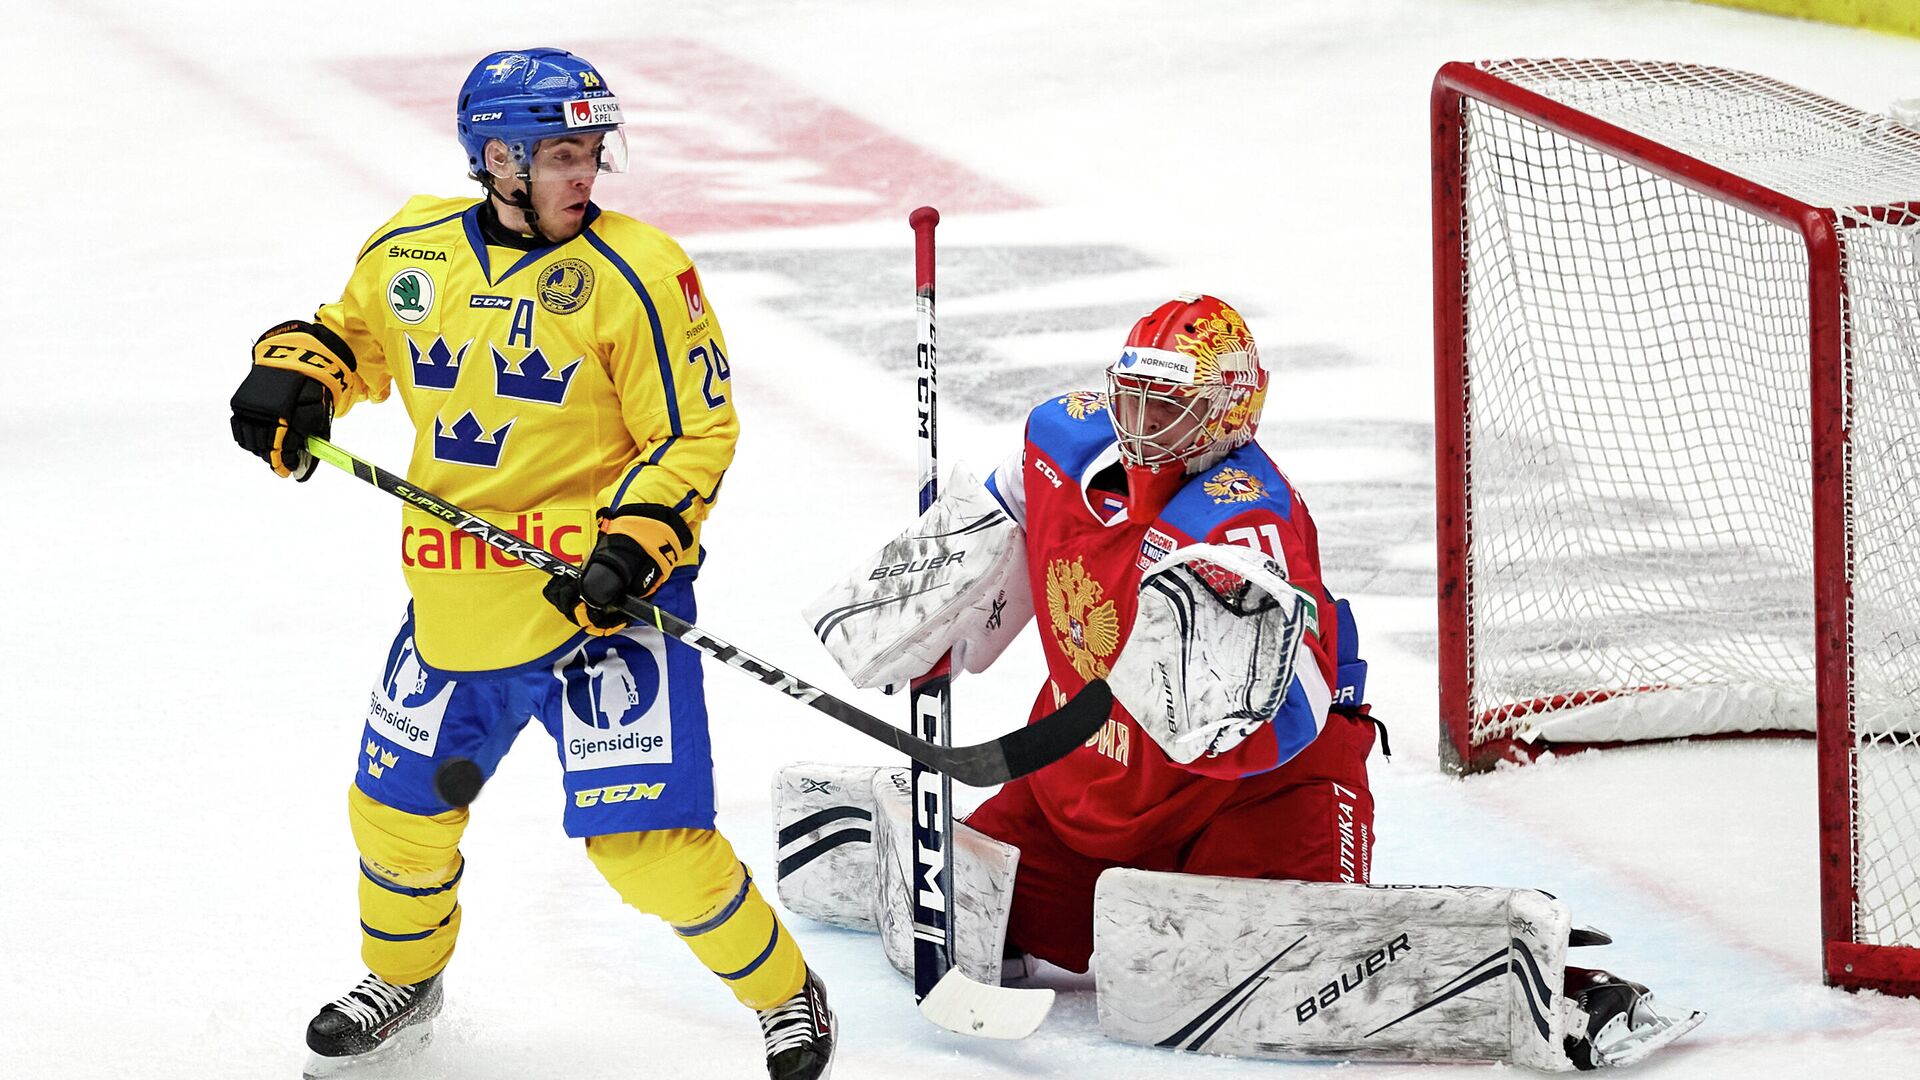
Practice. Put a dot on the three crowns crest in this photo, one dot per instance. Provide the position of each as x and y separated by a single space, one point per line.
466 442
536 380
437 367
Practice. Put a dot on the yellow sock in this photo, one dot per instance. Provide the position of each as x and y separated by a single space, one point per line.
410 869
692 879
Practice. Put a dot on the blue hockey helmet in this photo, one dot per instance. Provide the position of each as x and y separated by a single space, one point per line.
522 96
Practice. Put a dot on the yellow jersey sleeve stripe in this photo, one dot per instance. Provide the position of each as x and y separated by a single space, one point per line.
620 493
667 388
685 504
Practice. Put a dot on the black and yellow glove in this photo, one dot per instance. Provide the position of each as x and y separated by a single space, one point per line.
639 546
300 369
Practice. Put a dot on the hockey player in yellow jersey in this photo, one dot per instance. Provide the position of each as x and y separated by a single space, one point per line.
567 379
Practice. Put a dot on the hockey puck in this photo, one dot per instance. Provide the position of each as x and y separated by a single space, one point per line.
457 781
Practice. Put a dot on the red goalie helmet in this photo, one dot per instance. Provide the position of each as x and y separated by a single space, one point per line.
1188 387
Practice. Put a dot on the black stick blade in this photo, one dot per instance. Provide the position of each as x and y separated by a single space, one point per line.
1035 746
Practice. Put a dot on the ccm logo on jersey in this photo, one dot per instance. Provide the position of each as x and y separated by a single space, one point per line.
418 254
1046 470
1376 960
931 562
618 793
501 302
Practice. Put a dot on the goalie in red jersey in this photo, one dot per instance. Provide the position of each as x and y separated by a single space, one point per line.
1207 854
1160 479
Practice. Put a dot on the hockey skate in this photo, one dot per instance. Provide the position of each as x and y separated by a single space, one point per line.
1623 1023
376 1021
800 1034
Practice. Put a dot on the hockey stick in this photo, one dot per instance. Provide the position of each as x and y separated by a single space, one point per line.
930 699
985 764
946 995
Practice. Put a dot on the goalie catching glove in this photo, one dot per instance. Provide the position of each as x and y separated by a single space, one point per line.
1213 651
639 546
301 372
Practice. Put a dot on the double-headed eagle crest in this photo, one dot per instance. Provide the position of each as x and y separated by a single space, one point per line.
1086 627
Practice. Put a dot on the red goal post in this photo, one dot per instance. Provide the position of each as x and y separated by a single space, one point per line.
1677 417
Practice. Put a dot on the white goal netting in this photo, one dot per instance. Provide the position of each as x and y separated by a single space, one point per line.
1639 429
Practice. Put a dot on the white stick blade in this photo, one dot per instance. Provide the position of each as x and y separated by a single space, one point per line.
961 1005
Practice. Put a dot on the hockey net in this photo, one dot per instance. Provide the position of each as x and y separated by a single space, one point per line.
1677 315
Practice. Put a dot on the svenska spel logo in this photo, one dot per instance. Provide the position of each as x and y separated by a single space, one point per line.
690 291
596 111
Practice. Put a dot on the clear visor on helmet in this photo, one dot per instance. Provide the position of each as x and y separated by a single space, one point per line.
1159 423
568 157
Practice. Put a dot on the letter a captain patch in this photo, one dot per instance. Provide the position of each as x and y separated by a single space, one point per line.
690 289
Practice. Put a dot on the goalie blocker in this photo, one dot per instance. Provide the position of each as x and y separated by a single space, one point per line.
956 581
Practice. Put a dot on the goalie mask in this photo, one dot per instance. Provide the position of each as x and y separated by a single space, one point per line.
1187 388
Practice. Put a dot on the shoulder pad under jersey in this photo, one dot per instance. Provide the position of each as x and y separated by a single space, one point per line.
1244 480
422 214
1072 429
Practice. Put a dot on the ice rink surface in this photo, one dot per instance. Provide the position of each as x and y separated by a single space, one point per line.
187 641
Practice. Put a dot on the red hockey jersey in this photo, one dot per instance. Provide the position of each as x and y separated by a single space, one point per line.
1120 794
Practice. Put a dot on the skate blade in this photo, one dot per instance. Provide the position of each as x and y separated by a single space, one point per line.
1637 1046
404 1044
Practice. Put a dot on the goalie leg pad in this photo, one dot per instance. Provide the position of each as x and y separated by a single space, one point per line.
956 581
1286 969
823 829
983 873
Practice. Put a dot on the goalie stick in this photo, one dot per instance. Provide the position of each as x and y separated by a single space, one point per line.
930 698
985 764
946 995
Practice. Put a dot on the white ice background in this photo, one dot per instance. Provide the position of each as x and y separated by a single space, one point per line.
187 641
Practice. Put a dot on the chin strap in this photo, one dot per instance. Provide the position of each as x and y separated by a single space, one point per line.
521 200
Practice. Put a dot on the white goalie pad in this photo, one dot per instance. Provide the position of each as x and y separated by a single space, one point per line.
956 581
1287 969
823 830
983 871
1214 646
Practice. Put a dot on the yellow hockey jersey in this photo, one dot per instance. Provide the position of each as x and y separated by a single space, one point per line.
542 385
